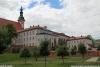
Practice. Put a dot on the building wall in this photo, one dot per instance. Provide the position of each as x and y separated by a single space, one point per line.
34 37
86 42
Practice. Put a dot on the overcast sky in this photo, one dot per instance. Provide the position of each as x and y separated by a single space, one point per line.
72 17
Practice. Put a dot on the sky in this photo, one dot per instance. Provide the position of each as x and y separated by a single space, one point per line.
72 17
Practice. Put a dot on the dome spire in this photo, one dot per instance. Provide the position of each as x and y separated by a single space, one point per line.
21 19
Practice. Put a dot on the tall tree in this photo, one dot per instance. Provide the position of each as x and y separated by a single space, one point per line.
11 33
25 53
74 50
98 47
36 53
3 38
7 33
82 49
62 51
44 50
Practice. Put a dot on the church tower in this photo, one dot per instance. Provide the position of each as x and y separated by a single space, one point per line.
21 19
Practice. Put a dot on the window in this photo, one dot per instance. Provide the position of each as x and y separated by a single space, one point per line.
27 33
32 44
24 39
33 32
24 33
30 38
30 32
27 38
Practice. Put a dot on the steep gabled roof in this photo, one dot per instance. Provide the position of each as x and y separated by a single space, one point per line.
14 23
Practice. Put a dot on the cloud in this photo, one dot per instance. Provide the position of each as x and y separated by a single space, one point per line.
77 17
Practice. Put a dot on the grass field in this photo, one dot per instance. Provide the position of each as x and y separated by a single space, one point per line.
16 61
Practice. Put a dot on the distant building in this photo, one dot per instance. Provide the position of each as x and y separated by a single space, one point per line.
75 41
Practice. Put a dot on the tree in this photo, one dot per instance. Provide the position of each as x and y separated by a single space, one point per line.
82 49
25 53
3 39
36 53
98 48
61 42
44 49
62 51
7 33
74 50
93 40
11 33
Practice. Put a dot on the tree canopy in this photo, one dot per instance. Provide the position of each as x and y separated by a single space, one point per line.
82 49
7 32
36 53
93 40
44 51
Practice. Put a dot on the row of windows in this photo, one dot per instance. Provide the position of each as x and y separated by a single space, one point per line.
26 44
25 39
27 33
78 41
29 44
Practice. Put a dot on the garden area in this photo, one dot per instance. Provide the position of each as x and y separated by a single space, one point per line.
39 56
16 61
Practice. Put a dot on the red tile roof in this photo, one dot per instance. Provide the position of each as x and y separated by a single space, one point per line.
16 24
77 38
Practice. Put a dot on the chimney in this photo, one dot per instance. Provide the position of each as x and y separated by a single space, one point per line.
81 36
30 26
45 27
38 26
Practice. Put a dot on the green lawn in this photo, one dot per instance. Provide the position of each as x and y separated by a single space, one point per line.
16 61
99 59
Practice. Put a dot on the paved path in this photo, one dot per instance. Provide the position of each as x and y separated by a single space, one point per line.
92 59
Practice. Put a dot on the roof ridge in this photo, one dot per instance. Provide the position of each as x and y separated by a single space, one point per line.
8 20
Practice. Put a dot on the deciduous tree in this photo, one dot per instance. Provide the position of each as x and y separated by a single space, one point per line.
44 49
62 51
25 53
36 53
82 49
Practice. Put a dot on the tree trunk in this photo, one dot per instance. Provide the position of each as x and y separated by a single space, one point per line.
45 61
25 60
36 59
83 56
62 59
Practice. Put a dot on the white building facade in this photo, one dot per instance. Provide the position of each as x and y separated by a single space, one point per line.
34 35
